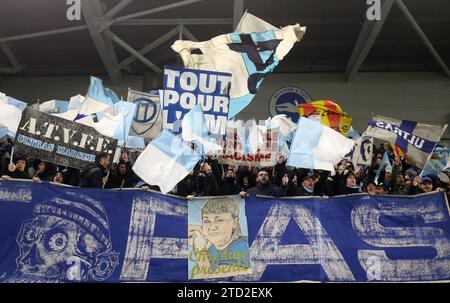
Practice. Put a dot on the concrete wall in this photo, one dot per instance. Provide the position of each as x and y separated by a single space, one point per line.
417 96
29 89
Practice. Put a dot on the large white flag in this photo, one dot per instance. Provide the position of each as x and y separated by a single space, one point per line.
165 161
249 57
10 113
317 147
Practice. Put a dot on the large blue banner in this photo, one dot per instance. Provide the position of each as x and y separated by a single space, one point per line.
53 233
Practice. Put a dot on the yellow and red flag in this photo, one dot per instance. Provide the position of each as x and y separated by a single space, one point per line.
330 114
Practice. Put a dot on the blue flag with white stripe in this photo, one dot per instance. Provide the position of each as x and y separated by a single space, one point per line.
98 98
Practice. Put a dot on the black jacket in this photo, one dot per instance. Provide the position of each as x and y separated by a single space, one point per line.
268 189
18 174
92 175
299 191
115 180
349 190
229 188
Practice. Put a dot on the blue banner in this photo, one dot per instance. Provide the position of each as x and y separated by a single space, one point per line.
54 233
185 88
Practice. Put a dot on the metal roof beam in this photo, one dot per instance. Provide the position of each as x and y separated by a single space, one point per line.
132 51
116 9
366 39
175 21
423 37
154 10
92 12
164 38
238 11
44 33
189 35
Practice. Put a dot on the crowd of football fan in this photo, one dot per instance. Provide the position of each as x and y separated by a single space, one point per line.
209 178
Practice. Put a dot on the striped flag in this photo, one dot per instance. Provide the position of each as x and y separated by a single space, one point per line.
10 113
317 147
414 141
165 161
98 98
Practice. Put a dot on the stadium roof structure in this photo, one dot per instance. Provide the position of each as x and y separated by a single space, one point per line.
120 37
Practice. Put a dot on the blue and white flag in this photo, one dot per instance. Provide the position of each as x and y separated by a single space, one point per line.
438 162
249 57
116 120
185 88
416 140
317 147
98 98
10 113
353 134
165 161
54 106
384 165
134 142
194 129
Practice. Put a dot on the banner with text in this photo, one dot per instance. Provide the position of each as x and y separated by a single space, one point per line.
235 148
49 138
54 233
184 88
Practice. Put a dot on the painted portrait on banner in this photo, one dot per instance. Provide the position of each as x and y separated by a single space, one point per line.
65 241
218 238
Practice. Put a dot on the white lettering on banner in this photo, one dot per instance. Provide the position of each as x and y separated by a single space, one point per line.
52 131
233 151
216 126
365 220
188 81
21 193
203 86
413 139
184 89
142 246
266 248
172 75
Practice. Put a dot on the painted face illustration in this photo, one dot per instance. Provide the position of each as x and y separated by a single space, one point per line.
46 243
66 240
218 228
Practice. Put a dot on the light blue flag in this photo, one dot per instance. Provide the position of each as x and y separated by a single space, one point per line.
194 129
165 161
116 121
128 109
317 147
54 106
19 104
248 126
353 134
438 161
10 113
3 132
388 167
134 142
98 98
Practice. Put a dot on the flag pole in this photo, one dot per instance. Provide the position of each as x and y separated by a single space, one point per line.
12 155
